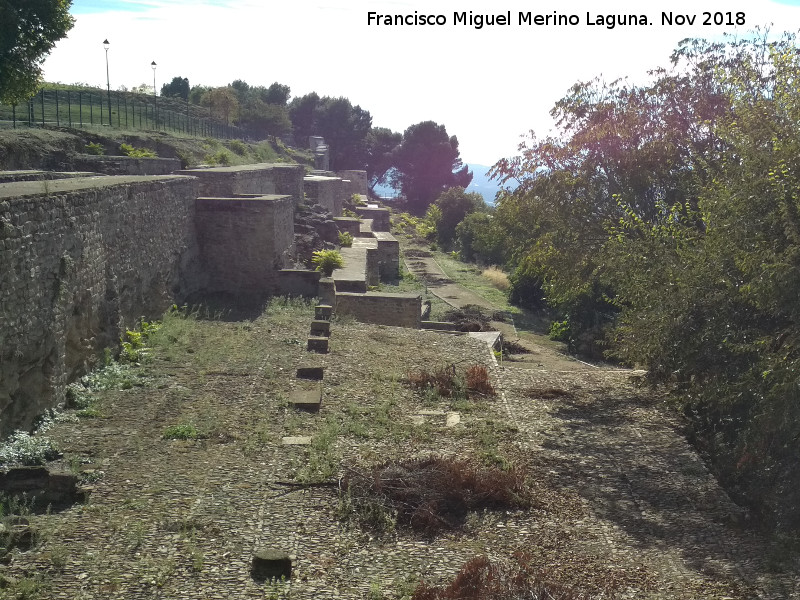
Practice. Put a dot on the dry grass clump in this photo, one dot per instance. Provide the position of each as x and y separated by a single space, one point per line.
447 382
480 579
498 278
431 494
478 381
444 380
547 393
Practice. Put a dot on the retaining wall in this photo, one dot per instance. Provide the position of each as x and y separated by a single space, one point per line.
80 260
401 310
325 191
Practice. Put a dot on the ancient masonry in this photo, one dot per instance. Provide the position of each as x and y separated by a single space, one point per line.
84 256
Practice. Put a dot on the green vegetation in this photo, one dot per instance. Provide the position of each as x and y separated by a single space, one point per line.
94 148
128 150
181 432
345 239
28 31
327 260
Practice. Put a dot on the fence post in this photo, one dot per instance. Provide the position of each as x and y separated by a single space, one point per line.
91 110
42 95
80 108
117 110
14 114
69 108
58 122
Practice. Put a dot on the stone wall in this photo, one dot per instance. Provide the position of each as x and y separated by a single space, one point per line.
244 242
401 310
265 178
297 282
126 165
81 259
379 216
325 191
388 255
357 182
348 225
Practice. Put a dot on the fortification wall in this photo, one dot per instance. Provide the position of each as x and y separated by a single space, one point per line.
357 182
325 191
81 259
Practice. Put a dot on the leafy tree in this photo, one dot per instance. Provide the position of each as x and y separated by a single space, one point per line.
28 31
454 204
301 113
381 144
197 92
479 239
223 103
277 93
263 119
177 88
345 128
426 163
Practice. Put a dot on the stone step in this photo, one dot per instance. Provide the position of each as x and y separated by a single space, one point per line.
320 328
310 371
317 344
307 398
323 312
271 563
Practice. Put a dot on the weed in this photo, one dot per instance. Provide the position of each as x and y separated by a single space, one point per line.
25 449
345 239
94 148
327 260
128 150
477 377
59 555
238 147
181 432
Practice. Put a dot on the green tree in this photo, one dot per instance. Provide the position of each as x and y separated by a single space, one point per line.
177 88
28 31
381 145
345 128
264 120
480 239
277 93
301 112
427 162
223 103
454 204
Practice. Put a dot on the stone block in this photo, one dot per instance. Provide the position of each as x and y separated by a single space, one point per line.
310 371
321 328
317 344
271 563
296 440
308 398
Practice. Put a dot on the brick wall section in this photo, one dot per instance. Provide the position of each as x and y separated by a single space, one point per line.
401 310
81 259
264 178
379 216
244 242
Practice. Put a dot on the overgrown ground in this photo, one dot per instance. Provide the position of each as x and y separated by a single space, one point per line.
37 148
620 506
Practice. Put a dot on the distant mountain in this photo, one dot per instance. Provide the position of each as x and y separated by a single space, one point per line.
480 184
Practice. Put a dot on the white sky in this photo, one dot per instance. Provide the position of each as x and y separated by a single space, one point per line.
487 86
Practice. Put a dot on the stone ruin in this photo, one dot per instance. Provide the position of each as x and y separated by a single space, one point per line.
83 256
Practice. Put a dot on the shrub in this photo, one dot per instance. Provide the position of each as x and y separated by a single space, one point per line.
327 260
128 150
94 148
238 147
345 239
25 449
431 494
181 432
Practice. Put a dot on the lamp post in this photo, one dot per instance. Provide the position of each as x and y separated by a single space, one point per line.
108 81
155 97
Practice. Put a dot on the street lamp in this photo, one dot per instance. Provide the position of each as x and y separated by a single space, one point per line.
108 81
155 97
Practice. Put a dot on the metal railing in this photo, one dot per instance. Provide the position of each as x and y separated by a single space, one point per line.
122 110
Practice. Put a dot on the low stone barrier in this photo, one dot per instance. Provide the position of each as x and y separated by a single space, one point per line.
401 310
